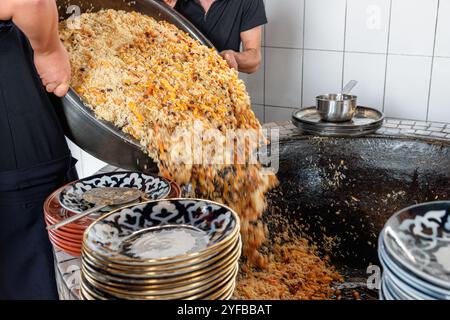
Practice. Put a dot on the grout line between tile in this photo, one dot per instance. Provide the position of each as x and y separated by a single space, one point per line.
409 55
282 47
345 38
387 56
264 76
282 107
432 61
360 52
302 86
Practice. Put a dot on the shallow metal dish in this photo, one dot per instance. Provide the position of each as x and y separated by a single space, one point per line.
102 139
365 121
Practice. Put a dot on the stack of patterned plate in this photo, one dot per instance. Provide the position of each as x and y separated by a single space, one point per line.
69 237
414 250
164 249
68 201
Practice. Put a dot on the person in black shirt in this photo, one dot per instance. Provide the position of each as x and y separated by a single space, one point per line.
227 23
35 158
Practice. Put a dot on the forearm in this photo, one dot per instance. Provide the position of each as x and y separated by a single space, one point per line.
248 60
38 20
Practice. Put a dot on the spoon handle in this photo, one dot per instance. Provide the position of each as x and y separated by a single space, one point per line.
349 87
76 217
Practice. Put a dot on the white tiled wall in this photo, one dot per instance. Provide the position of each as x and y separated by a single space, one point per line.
442 35
321 69
369 69
367 26
407 86
286 30
283 75
439 97
413 25
398 50
324 22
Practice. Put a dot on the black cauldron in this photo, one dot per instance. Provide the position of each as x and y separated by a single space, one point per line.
339 192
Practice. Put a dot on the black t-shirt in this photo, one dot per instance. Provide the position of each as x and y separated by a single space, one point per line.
225 20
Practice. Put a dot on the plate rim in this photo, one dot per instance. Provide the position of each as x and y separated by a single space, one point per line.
162 260
336 124
169 184
425 276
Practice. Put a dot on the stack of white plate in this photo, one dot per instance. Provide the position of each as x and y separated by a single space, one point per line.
162 250
414 250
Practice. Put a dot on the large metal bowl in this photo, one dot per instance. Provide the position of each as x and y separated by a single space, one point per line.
102 139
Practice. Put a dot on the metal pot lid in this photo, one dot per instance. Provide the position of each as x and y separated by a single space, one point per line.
418 239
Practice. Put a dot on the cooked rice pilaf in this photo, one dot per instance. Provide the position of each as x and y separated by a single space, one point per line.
295 272
149 78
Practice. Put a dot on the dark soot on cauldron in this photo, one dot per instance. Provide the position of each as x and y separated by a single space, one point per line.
339 192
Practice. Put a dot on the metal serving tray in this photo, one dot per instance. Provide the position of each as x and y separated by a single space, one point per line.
102 139
366 121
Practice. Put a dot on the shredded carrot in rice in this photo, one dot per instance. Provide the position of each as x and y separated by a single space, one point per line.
150 78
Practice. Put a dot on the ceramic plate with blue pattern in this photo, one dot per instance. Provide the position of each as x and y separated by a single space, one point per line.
418 239
154 187
403 277
162 231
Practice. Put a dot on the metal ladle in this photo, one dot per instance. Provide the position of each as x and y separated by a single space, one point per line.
102 198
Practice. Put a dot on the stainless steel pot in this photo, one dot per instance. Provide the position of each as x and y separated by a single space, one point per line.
336 107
